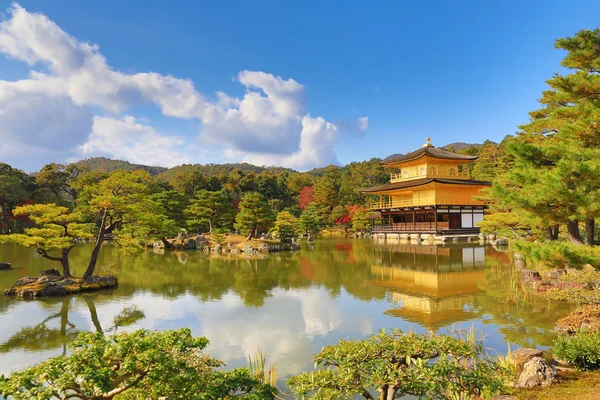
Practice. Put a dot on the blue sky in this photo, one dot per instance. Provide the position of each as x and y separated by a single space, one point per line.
368 79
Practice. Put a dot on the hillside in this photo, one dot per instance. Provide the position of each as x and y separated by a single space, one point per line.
458 146
109 165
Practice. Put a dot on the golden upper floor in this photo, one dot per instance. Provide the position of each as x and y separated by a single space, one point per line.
428 162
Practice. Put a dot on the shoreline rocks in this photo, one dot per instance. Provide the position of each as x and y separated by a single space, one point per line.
51 283
4 266
537 372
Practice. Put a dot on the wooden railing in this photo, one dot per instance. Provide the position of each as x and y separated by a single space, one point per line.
405 227
448 174
425 201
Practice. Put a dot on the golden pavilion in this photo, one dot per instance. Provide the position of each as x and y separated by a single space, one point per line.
429 194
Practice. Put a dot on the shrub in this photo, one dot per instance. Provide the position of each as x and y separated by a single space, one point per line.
583 318
398 364
557 253
137 365
581 349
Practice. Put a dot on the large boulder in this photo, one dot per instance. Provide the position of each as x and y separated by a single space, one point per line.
536 372
4 265
521 356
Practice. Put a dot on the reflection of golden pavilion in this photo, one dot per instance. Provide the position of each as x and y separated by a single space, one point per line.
433 284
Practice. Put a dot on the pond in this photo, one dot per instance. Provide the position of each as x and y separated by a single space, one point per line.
288 305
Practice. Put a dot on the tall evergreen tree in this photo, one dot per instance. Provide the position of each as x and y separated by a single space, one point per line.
556 171
208 207
255 215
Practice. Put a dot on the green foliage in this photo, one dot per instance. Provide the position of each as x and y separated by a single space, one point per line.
212 208
16 188
141 364
398 364
57 178
310 221
557 253
258 368
107 165
254 215
173 203
286 226
554 174
55 233
581 349
360 221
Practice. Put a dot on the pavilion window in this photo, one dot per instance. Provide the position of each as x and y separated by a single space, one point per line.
452 171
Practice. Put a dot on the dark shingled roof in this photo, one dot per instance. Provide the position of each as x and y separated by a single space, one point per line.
431 151
423 181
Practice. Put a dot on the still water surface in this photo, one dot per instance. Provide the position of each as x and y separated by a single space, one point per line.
288 304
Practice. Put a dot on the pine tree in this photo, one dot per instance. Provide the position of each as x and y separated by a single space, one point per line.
360 222
254 215
555 177
286 226
310 220
208 207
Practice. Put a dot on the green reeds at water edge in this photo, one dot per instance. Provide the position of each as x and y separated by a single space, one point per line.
258 368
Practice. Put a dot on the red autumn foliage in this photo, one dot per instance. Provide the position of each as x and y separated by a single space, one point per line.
306 196
347 218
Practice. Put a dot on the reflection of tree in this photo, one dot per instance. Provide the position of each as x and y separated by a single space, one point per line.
522 317
41 337
44 337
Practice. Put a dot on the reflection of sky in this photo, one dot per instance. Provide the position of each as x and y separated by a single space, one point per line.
289 327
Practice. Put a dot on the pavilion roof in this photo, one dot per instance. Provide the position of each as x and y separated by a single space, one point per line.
423 181
427 150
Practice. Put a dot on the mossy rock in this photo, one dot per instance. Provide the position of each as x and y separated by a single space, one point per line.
28 288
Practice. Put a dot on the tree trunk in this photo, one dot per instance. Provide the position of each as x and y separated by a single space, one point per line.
573 231
92 265
550 233
64 260
555 232
589 231
210 225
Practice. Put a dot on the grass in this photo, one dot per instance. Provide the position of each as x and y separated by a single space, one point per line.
574 385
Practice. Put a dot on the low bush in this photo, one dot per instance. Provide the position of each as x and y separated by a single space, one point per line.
581 349
137 365
397 364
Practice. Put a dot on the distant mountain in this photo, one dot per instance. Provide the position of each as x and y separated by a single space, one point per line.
391 157
457 146
108 165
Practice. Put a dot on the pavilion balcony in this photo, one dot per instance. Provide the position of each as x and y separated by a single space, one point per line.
426 201
435 173
407 227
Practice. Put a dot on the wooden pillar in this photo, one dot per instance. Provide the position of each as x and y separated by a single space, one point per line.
435 220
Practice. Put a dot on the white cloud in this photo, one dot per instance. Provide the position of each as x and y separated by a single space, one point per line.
130 140
268 125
